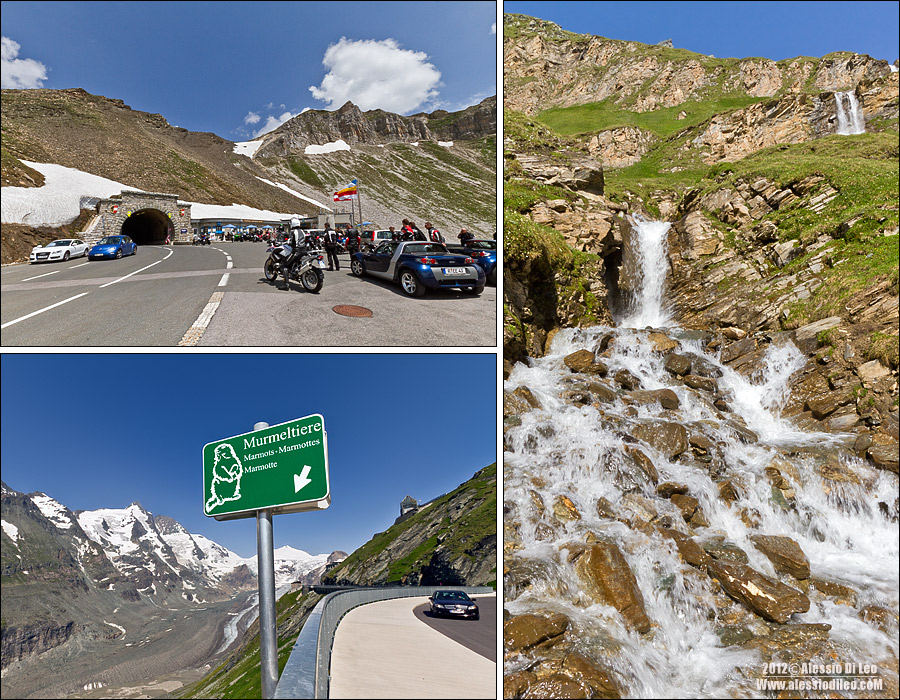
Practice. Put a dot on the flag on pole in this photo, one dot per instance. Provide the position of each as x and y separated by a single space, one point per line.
345 193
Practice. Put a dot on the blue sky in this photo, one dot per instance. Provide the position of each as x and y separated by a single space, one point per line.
104 430
774 30
234 68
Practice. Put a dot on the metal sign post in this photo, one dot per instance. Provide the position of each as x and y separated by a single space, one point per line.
273 469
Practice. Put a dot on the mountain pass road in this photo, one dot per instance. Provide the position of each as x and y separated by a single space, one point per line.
217 296
387 650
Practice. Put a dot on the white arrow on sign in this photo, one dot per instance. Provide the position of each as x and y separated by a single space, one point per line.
302 480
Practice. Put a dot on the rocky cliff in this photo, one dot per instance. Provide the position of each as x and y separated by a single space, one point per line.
451 541
438 167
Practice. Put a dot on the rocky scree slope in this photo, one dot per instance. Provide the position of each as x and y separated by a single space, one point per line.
402 169
450 541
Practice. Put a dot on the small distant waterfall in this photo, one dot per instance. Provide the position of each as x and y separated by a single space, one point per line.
850 117
649 307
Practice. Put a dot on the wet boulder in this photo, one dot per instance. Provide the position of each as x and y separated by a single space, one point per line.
690 551
784 553
642 462
737 349
669 439
585 362
523 632
524 393
676 364
884 457
661 342
626 380
608 579
767 597
595 676
695 381
666 398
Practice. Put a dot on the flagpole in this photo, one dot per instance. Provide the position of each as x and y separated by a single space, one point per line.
359 202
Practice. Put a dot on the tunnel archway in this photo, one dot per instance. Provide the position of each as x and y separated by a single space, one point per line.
148 227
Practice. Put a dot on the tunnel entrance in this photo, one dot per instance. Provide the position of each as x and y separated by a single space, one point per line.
148 227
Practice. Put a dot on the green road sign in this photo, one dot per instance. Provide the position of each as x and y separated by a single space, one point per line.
282 468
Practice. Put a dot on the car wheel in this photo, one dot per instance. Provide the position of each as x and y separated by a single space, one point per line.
66 256
118 254
492 277
134 250
411 284
357 268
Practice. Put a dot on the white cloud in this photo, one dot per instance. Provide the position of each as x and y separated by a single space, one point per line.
273 123
251 118
19 72
377 75
494 28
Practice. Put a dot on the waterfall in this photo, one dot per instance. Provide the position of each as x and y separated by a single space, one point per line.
850 119
570 479
651 253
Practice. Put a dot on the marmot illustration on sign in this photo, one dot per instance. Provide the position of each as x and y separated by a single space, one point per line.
227 473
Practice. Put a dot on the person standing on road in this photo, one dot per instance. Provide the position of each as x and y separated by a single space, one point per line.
331 242
395 235
464 236
433 234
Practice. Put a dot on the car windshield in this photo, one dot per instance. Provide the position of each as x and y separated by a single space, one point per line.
109 240
62 243
483 245
451 595
426 248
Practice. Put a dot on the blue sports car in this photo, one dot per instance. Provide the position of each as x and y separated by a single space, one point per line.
112 247
418 266
484 252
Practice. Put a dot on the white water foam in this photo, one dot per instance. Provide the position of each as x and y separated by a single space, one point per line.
849 115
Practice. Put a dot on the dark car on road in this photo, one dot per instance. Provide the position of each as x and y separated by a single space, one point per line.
483 252
418 266
112 247
453 604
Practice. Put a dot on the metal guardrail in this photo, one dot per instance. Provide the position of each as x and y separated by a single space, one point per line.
307 673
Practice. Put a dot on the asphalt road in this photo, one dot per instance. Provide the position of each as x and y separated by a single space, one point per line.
478 635
217 296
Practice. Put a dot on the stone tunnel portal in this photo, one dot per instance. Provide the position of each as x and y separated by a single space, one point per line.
148 227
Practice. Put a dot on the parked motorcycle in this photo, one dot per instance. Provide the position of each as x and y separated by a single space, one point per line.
308 268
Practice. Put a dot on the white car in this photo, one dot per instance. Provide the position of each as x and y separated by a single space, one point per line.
62 249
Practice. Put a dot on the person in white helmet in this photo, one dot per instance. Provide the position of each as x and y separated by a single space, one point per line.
297 241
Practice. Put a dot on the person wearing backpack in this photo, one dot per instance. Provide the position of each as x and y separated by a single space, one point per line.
331 241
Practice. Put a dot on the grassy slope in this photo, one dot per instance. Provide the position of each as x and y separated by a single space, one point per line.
477 524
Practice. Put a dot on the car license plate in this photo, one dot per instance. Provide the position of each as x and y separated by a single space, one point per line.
455 270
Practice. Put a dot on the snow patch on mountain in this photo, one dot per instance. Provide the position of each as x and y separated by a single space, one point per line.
11 531
53 510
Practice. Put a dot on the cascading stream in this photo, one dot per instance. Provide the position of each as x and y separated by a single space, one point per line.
571 479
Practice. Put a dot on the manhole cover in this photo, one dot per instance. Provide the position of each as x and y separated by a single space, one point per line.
353 311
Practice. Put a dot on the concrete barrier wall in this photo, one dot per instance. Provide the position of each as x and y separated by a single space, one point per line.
306 674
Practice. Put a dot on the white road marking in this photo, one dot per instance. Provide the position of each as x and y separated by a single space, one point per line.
40 311
195 332
74 266
28 279
224 280
229 264
131 273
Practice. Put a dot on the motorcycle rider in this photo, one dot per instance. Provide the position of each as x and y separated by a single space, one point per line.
331 241
297 241
353 242
464 237
434 235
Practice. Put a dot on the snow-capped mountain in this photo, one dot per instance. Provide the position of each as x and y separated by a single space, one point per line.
156 556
